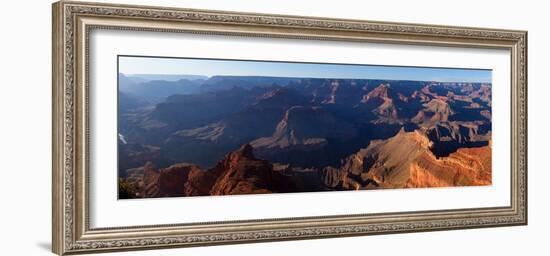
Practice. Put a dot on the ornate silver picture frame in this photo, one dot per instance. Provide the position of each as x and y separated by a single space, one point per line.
74 21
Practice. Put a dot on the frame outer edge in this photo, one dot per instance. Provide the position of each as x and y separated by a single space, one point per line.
525 86
65 239
57 246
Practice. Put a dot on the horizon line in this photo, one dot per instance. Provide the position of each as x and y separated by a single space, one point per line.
301 77
162 65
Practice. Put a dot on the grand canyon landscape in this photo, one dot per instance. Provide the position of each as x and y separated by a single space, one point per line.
194 135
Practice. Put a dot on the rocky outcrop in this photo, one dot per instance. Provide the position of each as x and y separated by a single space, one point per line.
465 167
403 161
406 160
240 172
448 137
171 179
199 182
381 100
484 93
151 185
175 181
435 111
383 91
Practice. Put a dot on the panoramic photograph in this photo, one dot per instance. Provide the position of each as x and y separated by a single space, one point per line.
205 127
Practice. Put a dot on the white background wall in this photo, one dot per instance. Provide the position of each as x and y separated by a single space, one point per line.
25 101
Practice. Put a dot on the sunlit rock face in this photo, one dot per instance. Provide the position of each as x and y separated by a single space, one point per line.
229 135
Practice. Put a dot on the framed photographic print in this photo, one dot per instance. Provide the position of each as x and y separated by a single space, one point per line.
179 127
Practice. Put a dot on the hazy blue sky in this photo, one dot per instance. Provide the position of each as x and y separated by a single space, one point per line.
181 66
